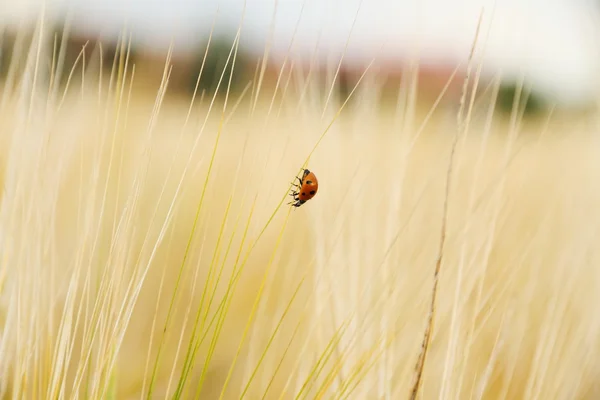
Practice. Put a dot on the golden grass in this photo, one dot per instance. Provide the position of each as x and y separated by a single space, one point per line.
146 256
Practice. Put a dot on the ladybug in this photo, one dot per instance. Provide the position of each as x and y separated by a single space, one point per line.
306 190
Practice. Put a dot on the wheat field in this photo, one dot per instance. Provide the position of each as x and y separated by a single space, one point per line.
148 250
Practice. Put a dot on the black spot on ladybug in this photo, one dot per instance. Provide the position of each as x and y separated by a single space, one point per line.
309 182
303 194
312 192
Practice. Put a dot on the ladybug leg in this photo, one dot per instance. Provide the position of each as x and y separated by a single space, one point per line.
296 202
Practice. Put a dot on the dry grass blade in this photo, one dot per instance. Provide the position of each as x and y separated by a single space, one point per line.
196 218
420 365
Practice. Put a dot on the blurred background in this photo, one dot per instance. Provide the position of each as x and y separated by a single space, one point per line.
553 46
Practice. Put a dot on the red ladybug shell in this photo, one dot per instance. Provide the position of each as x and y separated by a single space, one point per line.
309 185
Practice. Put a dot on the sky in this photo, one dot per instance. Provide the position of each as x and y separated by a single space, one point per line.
554 42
